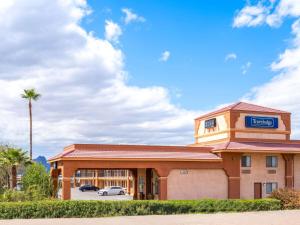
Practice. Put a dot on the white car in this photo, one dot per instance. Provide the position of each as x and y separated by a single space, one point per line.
114 190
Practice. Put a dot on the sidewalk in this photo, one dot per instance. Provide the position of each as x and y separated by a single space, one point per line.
288 217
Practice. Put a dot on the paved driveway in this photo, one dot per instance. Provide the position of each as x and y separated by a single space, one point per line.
249 218
92 195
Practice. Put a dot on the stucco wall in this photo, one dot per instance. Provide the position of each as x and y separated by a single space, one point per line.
259 173
213 137
203 132
297 172
240 125
260 136
197 184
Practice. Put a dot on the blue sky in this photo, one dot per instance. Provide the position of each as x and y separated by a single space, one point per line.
199 36
139 72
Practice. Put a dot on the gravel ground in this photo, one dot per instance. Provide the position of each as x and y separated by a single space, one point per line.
287 217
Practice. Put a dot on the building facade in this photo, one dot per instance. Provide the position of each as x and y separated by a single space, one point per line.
240 151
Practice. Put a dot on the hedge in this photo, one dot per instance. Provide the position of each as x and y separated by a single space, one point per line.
67 209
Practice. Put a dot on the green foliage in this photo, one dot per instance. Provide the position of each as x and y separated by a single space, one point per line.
31 194
10 160
13 156
30 94
67 209
4 178
12 196
37 179
289 198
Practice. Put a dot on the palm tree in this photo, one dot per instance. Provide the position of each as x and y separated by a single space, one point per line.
13 158
30 94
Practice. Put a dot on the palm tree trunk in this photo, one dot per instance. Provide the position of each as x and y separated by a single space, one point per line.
30 128
13 176
7 180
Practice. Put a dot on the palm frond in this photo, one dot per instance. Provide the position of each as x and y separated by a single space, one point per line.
30 94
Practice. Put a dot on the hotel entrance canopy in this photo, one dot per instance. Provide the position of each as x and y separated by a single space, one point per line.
135 152
162 159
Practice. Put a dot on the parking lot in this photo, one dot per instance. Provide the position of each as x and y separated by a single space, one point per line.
92 195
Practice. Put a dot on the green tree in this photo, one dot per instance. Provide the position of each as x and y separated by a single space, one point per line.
30 95
13 158
4 176
36 177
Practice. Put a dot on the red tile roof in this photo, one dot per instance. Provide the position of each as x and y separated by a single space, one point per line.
258 146
110 147
141 155
145 152
243 106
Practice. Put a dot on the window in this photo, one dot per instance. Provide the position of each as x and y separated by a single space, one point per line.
271 161
270 187
246 161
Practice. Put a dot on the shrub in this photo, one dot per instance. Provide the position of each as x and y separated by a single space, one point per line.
12 196
32 193
59 209
289 198
37 179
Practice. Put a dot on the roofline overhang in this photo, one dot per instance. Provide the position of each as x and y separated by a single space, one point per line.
133 159
255 151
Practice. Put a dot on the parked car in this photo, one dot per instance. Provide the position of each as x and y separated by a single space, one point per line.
114 190
88 187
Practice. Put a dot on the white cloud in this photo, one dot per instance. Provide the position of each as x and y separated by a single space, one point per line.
112 31
165 56
85 96
230 56
251 16
246 67
132 17
266 12
283 90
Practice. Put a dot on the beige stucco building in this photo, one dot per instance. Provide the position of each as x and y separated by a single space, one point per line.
240 151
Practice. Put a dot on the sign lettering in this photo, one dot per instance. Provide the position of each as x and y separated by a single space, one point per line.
210 123
261 122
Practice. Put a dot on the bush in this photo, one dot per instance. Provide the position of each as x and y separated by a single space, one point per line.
289 198
37 179
12 196
67 209
32 193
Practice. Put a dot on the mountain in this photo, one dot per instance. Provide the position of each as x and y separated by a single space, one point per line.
42 160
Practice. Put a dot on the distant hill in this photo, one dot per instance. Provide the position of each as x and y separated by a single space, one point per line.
42 160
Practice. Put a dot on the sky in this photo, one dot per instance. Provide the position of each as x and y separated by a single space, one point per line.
139 72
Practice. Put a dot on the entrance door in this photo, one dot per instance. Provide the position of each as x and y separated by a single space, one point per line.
257 190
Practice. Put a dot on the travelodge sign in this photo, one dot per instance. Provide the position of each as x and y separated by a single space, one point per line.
261 122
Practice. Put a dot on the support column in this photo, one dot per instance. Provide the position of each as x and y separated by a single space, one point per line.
163 188
67 173
234 187
163 173
135 183
54 176
231 166
96 178
128 181
289 170
148 181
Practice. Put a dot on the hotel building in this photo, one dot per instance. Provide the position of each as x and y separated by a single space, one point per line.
240 151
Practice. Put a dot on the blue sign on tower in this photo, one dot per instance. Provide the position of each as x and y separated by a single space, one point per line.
261 122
